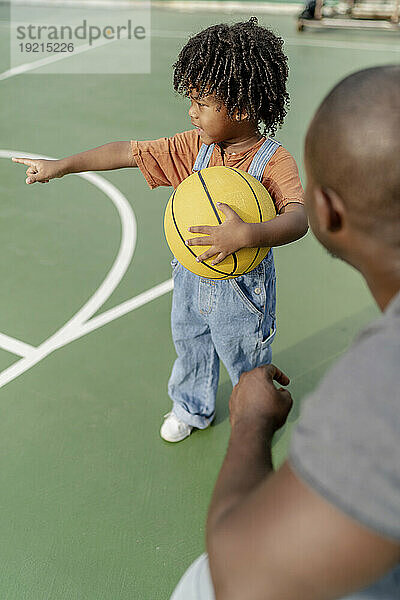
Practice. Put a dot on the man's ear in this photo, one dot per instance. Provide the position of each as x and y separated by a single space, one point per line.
330 209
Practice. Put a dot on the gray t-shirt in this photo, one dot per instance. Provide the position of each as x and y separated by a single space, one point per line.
347 443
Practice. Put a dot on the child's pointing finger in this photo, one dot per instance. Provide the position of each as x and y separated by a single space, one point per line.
24 161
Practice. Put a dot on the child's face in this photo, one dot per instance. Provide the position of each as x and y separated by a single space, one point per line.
210 116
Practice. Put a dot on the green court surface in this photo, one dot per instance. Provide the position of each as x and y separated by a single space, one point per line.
94 505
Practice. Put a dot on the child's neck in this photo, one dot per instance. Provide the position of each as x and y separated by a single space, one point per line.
240 143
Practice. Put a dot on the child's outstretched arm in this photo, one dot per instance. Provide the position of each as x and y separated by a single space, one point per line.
234 233
115 155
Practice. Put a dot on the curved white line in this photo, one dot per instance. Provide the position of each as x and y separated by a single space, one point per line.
42 62
15 346
125 253
72 328
31 359
127 306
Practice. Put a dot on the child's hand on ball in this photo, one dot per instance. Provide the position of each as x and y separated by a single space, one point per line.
40 170
223 239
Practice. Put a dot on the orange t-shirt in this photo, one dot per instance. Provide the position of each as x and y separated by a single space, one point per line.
168 161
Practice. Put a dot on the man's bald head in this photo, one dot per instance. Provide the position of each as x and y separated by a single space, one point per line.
353 148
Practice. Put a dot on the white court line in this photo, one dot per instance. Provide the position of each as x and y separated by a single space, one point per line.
80 324
184 35
111 4
176 5
42 62
15 346
125 307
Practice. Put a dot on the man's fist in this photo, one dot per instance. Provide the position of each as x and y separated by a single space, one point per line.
40 170
255 399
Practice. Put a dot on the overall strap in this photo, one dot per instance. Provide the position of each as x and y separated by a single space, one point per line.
203 157
258 163
263 156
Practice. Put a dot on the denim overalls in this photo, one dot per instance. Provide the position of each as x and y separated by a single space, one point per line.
232 320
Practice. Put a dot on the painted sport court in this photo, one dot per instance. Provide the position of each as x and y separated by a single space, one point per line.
94 505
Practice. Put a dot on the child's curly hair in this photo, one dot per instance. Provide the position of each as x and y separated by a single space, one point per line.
243 65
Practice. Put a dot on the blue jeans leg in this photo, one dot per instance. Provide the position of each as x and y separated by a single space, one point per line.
194 378
196 584
243 325
232 320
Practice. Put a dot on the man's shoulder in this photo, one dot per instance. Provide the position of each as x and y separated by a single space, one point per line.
362 386
377 344
372 358
349 428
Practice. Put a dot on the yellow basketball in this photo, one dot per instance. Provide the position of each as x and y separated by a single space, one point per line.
194 202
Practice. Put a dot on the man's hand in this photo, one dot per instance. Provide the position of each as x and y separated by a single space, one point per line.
257 410
40 170
223 239
255 399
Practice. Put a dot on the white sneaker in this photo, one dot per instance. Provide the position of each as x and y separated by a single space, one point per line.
174 430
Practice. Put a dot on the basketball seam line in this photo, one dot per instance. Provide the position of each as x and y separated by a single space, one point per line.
254 194
187 247
235 261
209 197
259 211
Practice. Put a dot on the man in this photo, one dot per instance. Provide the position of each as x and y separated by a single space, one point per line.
327 524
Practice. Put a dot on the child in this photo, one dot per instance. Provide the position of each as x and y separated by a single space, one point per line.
235 77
